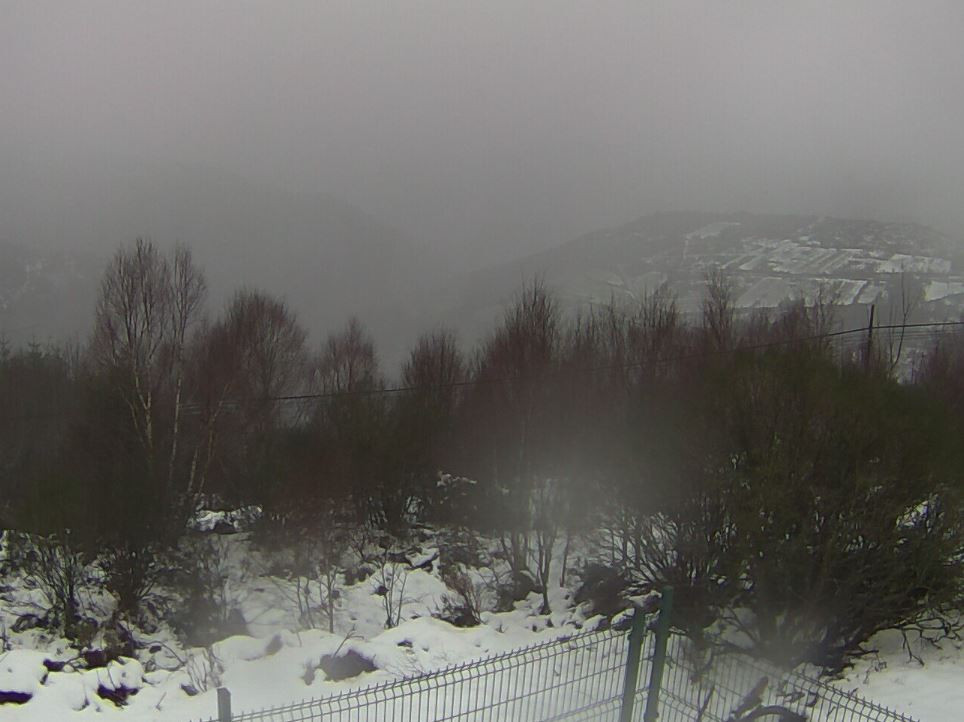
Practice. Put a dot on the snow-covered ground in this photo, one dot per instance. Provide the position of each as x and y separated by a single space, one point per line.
928 686
278 664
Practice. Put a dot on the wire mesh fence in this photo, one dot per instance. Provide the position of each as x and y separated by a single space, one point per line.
718 685
577 678
582 677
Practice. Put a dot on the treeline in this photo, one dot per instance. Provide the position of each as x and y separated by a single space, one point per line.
792 492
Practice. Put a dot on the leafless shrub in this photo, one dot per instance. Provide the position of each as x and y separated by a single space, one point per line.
58 568
204 670
389 582
207 611
309 554
471 596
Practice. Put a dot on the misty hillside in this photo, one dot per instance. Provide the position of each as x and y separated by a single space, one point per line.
327 258
768 258
45 295
330 260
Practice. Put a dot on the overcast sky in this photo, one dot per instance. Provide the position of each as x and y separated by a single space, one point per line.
489 126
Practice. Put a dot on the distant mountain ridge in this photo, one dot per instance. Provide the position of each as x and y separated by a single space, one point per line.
328 259
331 261
767 258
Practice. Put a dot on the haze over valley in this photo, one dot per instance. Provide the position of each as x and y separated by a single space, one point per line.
358 173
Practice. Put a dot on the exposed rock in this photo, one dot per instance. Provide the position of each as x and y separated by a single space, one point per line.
345 666
28 621
96 658
54 665
118 695
427 563
14 697
22 673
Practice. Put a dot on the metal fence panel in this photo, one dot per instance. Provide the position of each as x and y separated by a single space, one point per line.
581 678
576 678
718 685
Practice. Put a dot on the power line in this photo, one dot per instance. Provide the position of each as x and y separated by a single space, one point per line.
195 407
588 369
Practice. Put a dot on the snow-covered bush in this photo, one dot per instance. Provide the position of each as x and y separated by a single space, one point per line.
206 611
59 568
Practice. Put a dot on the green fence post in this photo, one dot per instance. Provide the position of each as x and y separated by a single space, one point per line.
659 656
632 665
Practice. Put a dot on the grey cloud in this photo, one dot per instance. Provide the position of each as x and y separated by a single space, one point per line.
496 128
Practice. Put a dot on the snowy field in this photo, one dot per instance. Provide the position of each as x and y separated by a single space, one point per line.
277 664
929 688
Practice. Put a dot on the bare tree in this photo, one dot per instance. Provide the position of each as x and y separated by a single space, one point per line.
545 509
902 308
350 421
348 363
718 311
512 404
257 355
188 289
424 417
434 366
147 306
309 553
